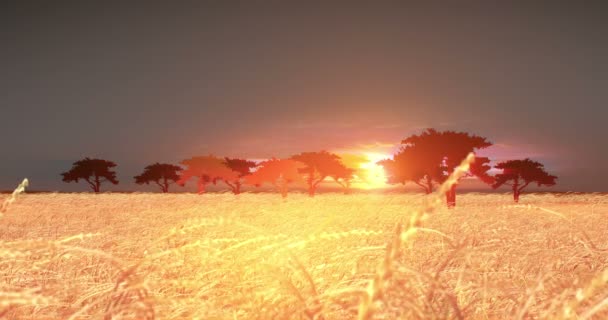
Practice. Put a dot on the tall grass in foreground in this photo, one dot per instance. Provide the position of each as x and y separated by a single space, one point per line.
6 203
257 256
377 285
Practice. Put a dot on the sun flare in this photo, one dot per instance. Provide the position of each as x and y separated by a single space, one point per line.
371 175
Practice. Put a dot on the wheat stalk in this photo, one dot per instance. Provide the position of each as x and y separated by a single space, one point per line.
583 294
13 196
377 285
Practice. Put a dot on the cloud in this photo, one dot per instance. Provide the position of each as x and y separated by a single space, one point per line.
377 145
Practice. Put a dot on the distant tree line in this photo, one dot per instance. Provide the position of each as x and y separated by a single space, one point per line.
426 160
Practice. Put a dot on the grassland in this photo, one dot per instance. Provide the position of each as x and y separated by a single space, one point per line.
258 256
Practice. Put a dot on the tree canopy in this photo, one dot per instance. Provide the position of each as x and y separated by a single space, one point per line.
417 164
520 173
163 174
242 167
450 146
426 159
208 169
278 172
445 150
320 165
93 171
342 175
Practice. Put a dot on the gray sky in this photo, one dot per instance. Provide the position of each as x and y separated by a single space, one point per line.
137 84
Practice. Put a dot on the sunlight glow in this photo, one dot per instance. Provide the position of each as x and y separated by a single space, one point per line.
372 175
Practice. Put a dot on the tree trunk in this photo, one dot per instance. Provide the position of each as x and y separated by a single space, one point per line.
311 186
516 189
235 188
283 189
165 185
201 185
429 185
311 191
347 189
97 183
451 197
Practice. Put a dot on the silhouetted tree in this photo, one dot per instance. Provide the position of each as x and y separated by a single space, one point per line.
242 168
447 149
208 169
319 165
415 164
479 168
520 173
279 172
342 175
160 173
93 171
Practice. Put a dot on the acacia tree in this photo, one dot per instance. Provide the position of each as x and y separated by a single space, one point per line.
447 149
93 171
342 175
414 164
242 168
278 172
479 169
160 173
208 169
318 166
518 174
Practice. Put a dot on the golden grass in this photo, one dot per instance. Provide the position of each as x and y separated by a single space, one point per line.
257 256
7 202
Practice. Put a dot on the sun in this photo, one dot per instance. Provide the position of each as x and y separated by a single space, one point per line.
368 174
371 175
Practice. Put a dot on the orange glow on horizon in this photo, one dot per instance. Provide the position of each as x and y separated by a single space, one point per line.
371 175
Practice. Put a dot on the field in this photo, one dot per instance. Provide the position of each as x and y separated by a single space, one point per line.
258 256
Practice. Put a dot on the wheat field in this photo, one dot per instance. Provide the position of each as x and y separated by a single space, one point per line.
258 256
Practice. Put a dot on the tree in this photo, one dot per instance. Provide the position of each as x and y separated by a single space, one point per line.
446 150
479 168
279 172
318 166
355 165
160 173
520 173
208 169
242 168
355 162
415 164
93 171
342 175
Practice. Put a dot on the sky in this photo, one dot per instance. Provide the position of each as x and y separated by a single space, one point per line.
145 82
